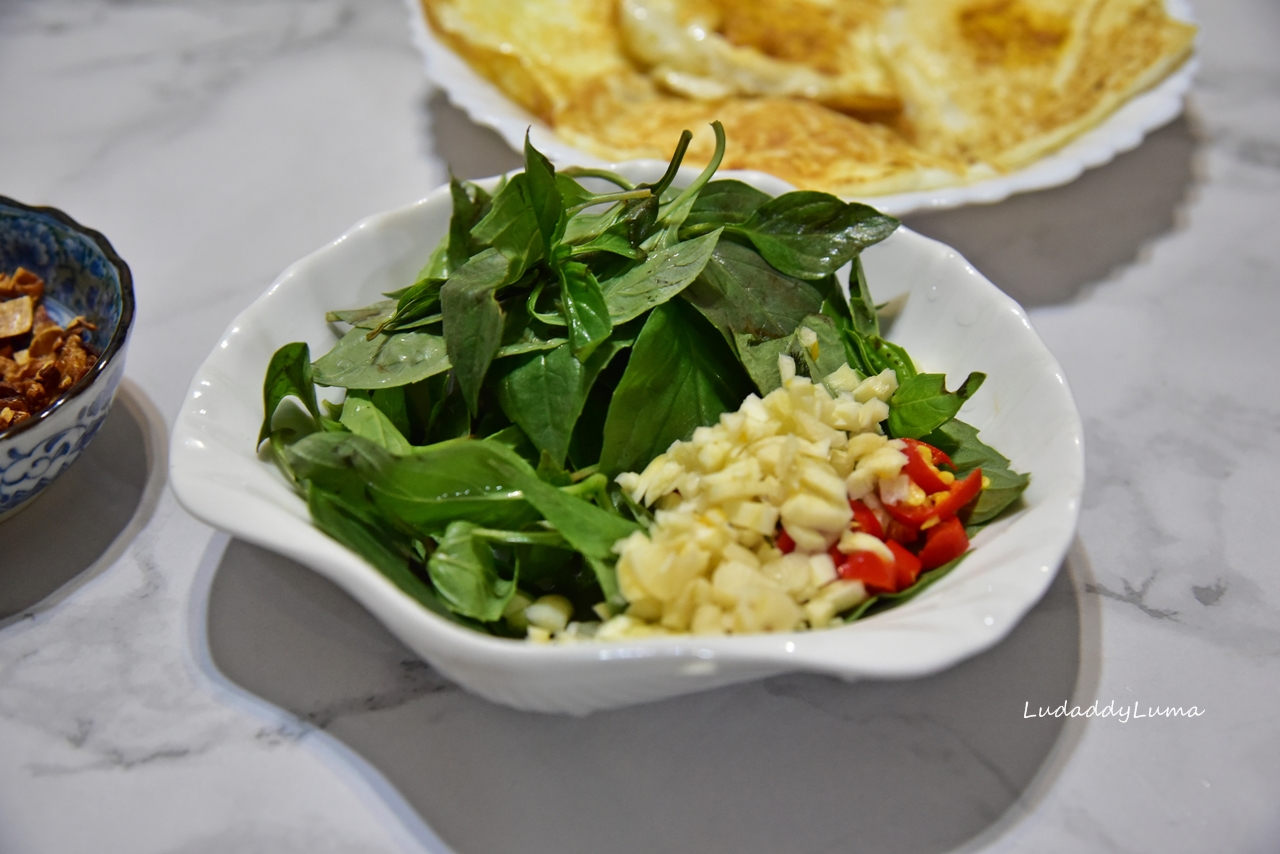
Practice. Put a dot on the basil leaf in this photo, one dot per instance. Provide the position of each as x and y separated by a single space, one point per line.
544 394
418 302
473 319
528 343
724 202
339 463
544 196
512 228
584 227
292 424
664 274
588 433
487 483
960 442
529 346
470 205
837 308
862 308
548 567
859 326
446 482
815 360
288 373
552 472
523 333
634 219
463 573
922 404
389 551
572 193
394 403
369 317
681 375
614 240
311 456
363 418
542 539
741 293
809 235
641 217
591 531
514 438
584 308
390 359
584 526
437 266
760 358
448 417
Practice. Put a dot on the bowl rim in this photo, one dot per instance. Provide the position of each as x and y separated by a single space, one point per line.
123 326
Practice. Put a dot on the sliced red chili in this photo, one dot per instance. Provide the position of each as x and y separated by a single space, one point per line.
939 456
920 466
943 543
906 566
960 494
783 541
900 532
911 516
876 574
865 520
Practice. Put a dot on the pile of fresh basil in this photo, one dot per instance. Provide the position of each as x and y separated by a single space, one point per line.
560 336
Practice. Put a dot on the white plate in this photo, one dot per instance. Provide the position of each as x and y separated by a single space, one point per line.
1122 131
953 320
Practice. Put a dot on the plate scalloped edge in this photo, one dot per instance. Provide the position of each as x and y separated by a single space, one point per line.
1122 131
958 318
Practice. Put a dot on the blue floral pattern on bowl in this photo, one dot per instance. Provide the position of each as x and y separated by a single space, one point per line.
83 276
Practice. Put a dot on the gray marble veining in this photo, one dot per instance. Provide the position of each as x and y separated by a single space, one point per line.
759 767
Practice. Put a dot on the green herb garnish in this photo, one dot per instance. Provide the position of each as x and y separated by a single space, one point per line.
559 336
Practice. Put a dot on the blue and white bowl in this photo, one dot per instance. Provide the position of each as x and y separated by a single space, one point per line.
83 276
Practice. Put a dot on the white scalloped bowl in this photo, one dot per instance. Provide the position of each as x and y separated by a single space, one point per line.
954 320
1122 131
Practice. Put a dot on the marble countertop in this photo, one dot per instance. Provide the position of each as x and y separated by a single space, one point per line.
165 688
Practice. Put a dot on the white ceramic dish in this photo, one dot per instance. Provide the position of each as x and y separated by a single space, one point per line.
953 320
1122 131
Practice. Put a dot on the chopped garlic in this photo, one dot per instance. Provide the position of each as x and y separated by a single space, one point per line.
880 387
857 541
786 368
550 613
843 378
795 457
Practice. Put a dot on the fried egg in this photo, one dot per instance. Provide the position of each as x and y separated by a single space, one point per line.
821 50
855 97
1004 82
